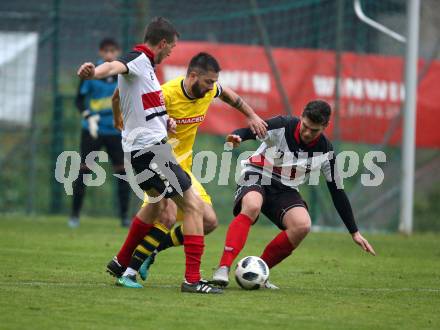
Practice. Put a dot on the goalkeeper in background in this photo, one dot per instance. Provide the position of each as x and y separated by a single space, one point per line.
94 102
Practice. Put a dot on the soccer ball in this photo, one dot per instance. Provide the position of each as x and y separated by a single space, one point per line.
251 273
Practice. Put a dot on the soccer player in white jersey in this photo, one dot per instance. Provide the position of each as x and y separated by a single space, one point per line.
292 149
144 140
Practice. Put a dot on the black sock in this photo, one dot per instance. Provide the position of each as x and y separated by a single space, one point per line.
79 190
174 238
150 243
123 195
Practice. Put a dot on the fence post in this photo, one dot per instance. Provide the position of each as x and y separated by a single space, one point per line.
57 117
126 26
409 118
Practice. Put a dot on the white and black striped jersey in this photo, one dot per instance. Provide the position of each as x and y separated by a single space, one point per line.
142 102
283 157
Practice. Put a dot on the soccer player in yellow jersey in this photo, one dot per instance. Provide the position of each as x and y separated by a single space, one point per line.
187 100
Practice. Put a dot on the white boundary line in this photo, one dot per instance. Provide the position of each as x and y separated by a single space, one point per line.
103 285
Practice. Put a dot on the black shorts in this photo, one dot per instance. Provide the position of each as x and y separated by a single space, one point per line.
162 172
277 198
112 144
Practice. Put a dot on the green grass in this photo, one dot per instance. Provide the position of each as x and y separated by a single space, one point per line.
53 278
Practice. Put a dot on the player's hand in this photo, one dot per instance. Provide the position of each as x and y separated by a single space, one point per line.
118 122
233 139
171 125
86 71
258 126
363 243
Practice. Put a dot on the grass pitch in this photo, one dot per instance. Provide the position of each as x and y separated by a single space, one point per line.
53 277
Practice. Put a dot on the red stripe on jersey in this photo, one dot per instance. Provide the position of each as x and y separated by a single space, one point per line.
261 161
153 100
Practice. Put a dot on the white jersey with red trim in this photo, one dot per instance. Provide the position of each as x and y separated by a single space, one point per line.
283 157
142 102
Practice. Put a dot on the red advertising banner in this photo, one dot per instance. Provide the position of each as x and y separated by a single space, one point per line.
371 88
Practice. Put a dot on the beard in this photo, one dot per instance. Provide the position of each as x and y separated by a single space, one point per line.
197 91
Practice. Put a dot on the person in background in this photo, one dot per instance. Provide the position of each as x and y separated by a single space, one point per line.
94 102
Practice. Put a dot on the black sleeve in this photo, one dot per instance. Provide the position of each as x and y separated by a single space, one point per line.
127 58
341 202
272 123
245 134
80 99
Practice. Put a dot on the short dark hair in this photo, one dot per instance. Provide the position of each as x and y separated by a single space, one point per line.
205 62
318 111
160 28
108 42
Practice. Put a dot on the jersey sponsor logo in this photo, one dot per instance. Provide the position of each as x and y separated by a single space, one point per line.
191 120
153 100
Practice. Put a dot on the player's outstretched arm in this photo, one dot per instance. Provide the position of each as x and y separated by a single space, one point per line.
116 108
244 134
257 125
107 69
240 135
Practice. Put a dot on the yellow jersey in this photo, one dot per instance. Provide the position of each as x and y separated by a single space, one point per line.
188 113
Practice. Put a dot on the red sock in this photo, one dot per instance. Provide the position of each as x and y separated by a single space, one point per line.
277 250
193 246
235 238
138 230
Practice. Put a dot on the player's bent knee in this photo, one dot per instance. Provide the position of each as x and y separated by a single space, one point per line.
252 210
210 223
303 228
167 220
148 213
298 222
251 205
168 213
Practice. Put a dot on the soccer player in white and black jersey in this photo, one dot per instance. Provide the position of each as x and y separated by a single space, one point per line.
293 150
144 139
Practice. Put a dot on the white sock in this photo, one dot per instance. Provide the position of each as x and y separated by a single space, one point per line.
130 272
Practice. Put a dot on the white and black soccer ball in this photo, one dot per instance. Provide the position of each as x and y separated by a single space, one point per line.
251 273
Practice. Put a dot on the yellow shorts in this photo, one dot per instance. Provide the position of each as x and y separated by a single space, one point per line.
198 188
